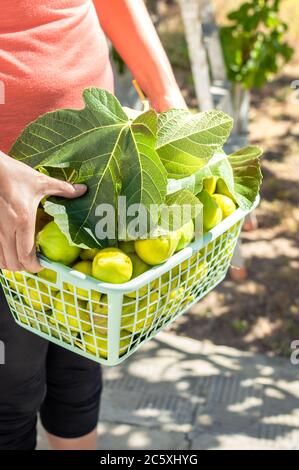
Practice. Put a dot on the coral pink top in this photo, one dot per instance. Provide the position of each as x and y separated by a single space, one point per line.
49 51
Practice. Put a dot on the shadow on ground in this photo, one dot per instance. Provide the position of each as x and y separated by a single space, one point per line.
177 393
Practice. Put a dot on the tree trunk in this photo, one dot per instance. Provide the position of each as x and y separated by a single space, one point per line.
190 10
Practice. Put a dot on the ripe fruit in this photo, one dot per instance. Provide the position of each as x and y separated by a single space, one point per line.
212 214
225 203
65 313
188 300
155 251
176 295
170 281
55 246
191 272
100 321
99 303
20 312
99 308
99 344
84 267
139 267
36 295
39 322
62 334
219 250
186 234
88 254
172 301
221 188
209 184
138 316
14 279
26 315
50 276
177 275
112 265
188 262
127 247
195 274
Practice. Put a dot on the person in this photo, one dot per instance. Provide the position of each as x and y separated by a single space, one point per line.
50 50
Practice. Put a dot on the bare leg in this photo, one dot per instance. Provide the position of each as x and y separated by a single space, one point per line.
250 222
87 442
238 274
238 271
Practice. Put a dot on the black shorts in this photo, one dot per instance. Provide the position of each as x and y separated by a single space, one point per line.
40 377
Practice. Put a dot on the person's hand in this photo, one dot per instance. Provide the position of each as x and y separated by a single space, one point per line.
172 98
21 190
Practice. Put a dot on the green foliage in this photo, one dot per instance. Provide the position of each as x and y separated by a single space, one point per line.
150 159
240 171
253 44
100 146
240 326
187 141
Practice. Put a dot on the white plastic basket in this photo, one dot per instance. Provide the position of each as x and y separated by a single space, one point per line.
110 328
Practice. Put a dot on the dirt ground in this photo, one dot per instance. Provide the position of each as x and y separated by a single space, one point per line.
262 312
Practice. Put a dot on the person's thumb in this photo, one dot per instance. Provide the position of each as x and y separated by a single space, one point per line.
54 187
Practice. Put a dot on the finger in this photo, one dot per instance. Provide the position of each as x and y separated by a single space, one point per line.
25 244
10 253
54 187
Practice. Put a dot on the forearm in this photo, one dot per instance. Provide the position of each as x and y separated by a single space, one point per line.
3 155
4 169
129 27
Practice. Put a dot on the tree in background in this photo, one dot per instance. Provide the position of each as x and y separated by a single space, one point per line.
253 43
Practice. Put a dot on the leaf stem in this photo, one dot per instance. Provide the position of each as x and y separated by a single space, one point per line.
141 95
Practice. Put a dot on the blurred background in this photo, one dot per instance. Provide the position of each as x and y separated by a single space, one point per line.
260 313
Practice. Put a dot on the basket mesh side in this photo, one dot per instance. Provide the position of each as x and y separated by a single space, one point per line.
178 289
77 318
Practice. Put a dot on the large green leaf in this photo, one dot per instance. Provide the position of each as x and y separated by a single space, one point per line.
144 179
101 147
187 141
240 171
120 154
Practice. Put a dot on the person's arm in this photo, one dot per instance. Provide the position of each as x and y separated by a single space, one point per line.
21 190
129 27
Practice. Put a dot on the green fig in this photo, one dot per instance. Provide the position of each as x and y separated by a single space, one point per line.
212 214
112 265
88 254
127 247
67 314
155 251
55 246
221 188
225 203
186 234
84 267
209 184
98 344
